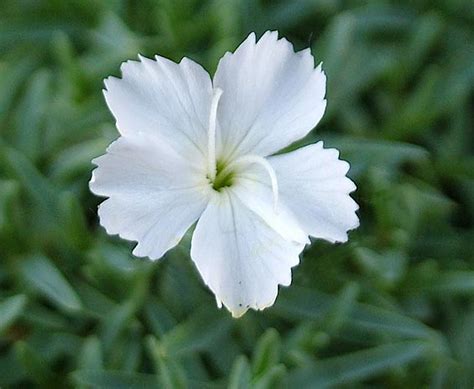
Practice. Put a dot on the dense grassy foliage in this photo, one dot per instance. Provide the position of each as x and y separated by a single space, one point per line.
394 307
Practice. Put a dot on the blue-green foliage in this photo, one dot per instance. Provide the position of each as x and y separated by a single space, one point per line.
394 307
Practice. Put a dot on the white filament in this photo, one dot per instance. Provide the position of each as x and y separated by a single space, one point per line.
211 135
249 159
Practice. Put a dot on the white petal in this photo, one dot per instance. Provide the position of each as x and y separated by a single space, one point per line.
252 186
239 256
154 194
163 98
313 184
272 96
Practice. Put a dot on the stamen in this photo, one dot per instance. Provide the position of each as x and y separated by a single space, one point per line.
211 135
249 159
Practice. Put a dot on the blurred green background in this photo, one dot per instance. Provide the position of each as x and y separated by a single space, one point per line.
393 307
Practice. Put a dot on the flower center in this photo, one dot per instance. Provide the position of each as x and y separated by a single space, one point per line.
224 177
220 174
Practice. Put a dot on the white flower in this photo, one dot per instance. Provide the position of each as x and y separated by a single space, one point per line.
194 149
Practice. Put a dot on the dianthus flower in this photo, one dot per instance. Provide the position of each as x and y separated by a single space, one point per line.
196 151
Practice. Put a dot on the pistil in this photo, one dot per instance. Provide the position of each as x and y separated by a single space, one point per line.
222 176
211 136
251 159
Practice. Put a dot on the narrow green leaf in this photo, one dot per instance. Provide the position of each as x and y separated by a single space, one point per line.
299 303
76 160
30 113
197 333
75 227
158 317
95 303
382 321
10 309
13 74
44 318
365 153
340 312
39 273
33 182
424 37
9 193
104 379
119 319
416 112
359 365
450 283
171 375
267 352
90 356
386 268
34 364
240 375
271 378
11 370
115 323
